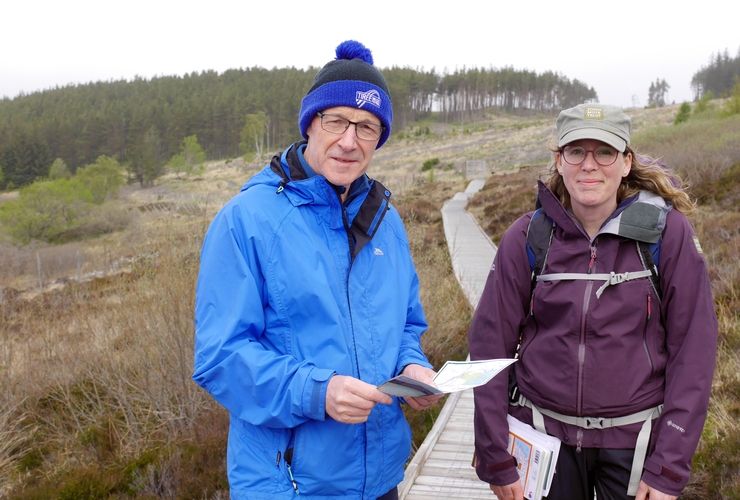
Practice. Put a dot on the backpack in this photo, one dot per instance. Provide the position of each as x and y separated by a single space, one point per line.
539 237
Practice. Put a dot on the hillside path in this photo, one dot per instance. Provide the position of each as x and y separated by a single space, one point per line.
441 467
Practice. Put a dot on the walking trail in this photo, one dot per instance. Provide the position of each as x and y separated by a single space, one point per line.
441 468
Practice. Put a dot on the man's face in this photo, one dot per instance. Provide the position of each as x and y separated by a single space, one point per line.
341 158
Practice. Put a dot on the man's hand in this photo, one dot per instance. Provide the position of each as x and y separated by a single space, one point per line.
644 491
509 492
422 374
349 400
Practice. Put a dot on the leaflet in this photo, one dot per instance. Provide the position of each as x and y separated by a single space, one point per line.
454 376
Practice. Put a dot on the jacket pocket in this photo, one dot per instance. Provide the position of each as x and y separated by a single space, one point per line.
251 458
286 457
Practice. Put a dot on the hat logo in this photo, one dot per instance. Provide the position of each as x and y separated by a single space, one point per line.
594 113
371 96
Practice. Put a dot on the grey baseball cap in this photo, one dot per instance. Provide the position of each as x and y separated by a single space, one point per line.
602 122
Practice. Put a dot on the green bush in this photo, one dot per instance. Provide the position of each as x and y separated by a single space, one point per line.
422 131
102 178
429 164
191 155
59 170
46 209
732 105
683 113
703 104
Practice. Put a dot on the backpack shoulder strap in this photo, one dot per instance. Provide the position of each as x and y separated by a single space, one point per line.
650 257
539 237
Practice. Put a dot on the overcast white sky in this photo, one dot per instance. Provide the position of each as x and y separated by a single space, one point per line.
619 48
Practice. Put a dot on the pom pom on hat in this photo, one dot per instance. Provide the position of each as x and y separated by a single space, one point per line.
352 49
349 80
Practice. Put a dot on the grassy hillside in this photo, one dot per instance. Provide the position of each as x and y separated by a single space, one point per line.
96 399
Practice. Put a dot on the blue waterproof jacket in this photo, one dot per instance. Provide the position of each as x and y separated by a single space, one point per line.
293 289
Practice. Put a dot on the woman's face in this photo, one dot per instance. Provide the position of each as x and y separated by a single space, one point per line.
593 187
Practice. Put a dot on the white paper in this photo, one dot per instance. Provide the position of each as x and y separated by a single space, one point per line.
460 375
454 376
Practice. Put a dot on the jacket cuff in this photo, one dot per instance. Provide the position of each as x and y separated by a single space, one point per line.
410 360
498 474
314 394
662 478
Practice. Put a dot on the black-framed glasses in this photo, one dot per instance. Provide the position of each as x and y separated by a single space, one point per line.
363 130
575 155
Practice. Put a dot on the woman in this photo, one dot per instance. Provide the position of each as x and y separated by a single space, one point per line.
599 334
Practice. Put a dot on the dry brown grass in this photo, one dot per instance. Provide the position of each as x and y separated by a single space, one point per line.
98 372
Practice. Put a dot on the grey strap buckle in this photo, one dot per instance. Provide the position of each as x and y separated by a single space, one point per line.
593 423
616 279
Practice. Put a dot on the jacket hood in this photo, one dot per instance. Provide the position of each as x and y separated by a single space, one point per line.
283 168
286 170
361 213
640 217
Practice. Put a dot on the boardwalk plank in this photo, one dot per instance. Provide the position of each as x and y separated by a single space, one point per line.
441 467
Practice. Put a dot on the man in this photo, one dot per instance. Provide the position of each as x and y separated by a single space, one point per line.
307 300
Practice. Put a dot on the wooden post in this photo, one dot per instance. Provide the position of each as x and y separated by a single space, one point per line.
38 264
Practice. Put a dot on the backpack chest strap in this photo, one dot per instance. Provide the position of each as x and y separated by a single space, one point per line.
608 279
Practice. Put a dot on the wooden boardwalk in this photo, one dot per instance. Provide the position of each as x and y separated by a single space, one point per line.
441 468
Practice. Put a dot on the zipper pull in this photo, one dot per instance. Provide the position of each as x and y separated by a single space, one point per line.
648 308
277 463
295 485
579 443
531 305
593 257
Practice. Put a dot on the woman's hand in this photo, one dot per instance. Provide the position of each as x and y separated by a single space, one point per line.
644 492
509 492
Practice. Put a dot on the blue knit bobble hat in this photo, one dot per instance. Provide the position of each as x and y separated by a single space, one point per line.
349 80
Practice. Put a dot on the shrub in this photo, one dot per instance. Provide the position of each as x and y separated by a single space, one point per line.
683 113
429 164
46 209
58 170
732 105
701 150
703 104
191 155
102 178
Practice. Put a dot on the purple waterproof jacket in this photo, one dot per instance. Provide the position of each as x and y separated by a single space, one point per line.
598 357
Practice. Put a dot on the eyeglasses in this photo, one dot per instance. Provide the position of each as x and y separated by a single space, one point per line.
575 155
337 125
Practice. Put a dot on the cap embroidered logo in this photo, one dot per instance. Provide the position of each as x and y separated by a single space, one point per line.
371 96
594 113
